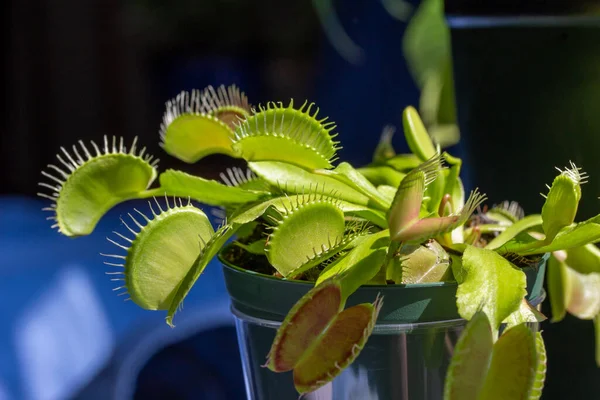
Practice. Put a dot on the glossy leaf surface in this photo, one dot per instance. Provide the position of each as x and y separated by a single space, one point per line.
491 283
177 183
161 253
302 233
303 324
87 186
336 348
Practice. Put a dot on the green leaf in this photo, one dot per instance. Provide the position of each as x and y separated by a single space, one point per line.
426 47
426 263
426 42
437 105
584 300
435 191
513 367
443 134
346 173
562 201
573 236
360 265
226 104
470 360
246 230
457 268
294 180
578 293
209 248
559 288
405 209
387 191
303 324
278 133
193 137
446 119
416 135
191 128
491 283
278 148
385 149
432 227
177 183
318 341
85 187
454 185
382 175
253 211
540 372
394 269
403 162
584 259
161 253
513 230
257 247
526 313
337 347
302 233
331 254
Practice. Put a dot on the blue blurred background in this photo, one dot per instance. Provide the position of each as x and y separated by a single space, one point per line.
82 69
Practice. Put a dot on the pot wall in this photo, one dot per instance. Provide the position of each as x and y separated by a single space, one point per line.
406 357
406 361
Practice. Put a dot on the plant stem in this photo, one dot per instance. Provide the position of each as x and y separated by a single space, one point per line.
152 193
487 228
382 274
526 249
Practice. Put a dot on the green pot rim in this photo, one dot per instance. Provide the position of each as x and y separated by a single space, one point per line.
266 297
240 269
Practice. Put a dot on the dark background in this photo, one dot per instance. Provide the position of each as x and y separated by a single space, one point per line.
83 69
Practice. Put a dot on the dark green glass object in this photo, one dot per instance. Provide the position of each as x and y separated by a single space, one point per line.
527 89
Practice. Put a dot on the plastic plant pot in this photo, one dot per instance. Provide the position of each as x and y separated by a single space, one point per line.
406 357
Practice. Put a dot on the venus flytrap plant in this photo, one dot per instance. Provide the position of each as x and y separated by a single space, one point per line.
512 367
562 201
401 220
288 135
578 293
200 123
149 280
319 339
323 221
86 185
